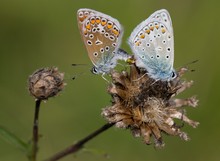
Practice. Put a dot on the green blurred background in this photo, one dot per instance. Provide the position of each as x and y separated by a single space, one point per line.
42 33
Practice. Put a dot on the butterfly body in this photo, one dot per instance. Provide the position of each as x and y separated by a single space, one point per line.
153 45
102 37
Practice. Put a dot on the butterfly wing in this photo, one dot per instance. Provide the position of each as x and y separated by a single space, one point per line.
101 35
152 42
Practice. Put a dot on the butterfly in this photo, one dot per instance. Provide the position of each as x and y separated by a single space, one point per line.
152 43
102 36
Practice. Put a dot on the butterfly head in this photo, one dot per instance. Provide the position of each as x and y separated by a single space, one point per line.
95 70
104 67
163 75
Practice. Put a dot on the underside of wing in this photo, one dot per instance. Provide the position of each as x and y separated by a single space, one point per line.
101 35
153 44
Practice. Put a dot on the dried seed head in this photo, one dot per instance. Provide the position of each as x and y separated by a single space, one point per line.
148 107
45 83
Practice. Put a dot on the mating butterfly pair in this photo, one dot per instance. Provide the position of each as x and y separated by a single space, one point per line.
151 41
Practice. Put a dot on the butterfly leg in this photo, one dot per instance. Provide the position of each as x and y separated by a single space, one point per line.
104 77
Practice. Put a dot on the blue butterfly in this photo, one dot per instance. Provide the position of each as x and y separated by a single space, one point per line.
152 43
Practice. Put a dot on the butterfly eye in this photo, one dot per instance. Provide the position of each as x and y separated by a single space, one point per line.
173 75
94 70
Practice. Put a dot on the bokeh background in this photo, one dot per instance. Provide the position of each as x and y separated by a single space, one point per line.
43 33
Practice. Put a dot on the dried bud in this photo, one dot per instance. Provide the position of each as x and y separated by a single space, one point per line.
45 83
147 107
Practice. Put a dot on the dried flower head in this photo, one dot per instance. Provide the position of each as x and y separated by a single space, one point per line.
148 107
45 83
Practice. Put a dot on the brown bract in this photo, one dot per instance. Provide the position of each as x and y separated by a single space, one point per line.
45 83
148 107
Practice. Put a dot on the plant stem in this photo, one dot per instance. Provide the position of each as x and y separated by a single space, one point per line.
77 146
35 131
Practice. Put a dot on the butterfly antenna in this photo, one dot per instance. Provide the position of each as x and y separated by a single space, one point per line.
77 75
75 65
189 63
105 78
192 62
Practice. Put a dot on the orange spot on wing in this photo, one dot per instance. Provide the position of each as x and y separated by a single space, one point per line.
85 32
157 26
163 30
88 26
103 23
92 21
152 28
142 36
115 32
81 19
148 31
97 20
137 43
109 26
